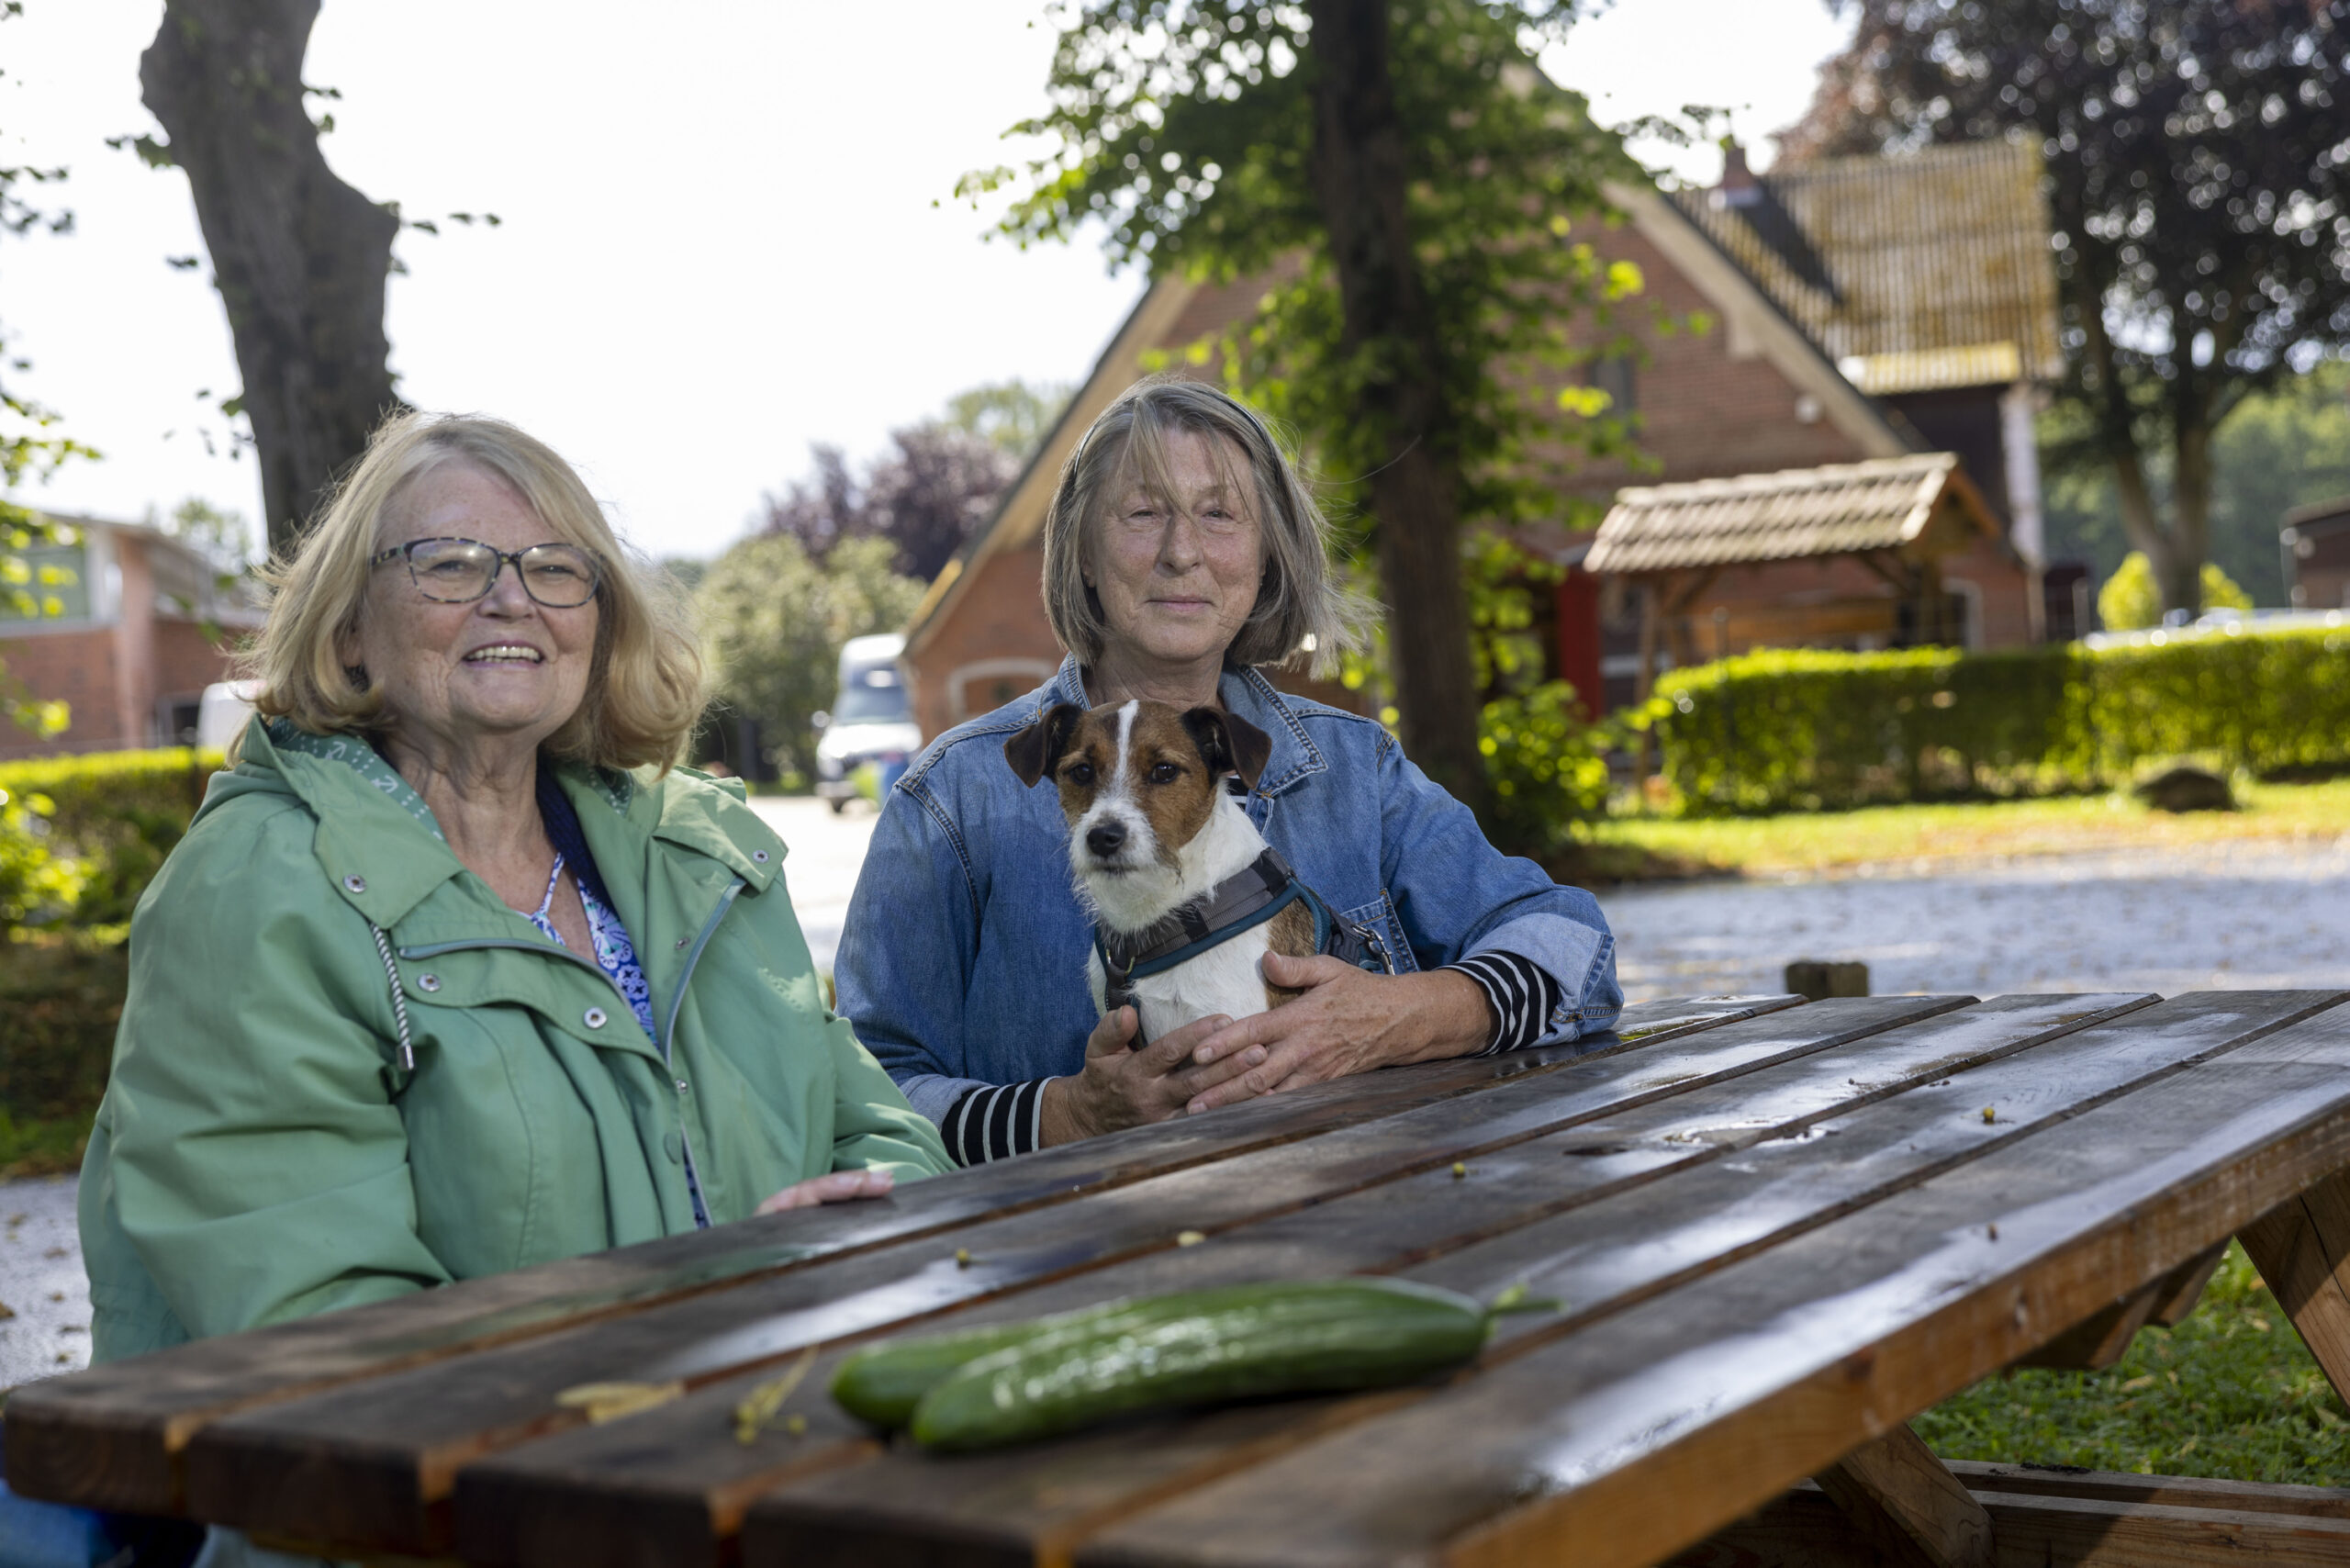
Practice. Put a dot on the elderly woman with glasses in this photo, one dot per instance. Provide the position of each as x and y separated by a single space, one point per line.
454 972
1183 558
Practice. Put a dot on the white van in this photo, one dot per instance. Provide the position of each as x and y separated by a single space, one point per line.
872 720
225 708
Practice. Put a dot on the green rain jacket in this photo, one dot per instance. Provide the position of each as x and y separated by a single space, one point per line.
262 1154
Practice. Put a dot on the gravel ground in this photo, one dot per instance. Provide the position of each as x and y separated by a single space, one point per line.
40 1282
2234 916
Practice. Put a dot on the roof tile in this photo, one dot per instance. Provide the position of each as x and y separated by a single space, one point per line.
1930 269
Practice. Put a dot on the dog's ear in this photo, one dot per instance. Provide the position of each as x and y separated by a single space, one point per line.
1229 743
1033 750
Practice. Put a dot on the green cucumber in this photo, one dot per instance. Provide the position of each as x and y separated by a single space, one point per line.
883 1383
1200 1347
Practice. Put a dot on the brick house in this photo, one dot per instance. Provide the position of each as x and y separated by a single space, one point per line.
141 636
1862 310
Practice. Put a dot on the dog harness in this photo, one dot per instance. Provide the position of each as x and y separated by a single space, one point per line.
1240 903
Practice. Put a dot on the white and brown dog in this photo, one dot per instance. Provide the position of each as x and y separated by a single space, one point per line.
1187 897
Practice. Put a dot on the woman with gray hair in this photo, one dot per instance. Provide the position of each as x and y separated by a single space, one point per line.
455 972
1182 556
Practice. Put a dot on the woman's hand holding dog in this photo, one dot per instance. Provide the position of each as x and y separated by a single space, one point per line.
1121 1087
1349 1020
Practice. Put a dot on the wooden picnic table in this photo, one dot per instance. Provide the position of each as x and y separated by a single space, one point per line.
1779 1232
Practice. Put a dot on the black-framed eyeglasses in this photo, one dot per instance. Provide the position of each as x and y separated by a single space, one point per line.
458 571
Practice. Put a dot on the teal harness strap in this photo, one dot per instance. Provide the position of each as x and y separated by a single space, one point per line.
1289 895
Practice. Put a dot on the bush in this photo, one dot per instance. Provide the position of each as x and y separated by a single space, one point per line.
36 882
116 814
1805 730
105 823
2129 601
1545 767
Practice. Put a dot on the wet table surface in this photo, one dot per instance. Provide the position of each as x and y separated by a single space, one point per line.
1778 1230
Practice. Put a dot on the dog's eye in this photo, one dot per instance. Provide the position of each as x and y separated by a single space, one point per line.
1164 773
1079 773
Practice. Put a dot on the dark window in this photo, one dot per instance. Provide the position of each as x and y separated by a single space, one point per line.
1613 376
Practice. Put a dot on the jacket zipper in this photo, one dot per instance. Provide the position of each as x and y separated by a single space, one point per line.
669 1026
669 1031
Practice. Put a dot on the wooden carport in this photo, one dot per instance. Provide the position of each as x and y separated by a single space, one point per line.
1899 517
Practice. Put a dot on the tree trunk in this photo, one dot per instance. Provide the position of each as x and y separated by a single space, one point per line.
2191 505
1361 181
299 257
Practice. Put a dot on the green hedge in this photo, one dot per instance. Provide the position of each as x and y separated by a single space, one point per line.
1804 730
80 838
115 813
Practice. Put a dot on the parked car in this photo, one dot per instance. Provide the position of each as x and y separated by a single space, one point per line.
871 721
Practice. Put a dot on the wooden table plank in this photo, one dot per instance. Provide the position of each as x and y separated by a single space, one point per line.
110 1436
1605 1256
369 1465
1622 1442
1734 1209
664 1486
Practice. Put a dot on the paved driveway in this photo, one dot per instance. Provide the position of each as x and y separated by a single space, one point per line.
2237 916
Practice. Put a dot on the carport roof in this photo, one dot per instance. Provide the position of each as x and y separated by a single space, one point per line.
1846 508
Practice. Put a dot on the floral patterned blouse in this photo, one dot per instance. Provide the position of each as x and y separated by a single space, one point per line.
615 954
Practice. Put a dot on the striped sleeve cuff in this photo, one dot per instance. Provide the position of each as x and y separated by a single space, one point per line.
995 1121
1522 994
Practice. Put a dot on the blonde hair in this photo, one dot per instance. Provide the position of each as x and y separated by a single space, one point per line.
1300 605
646 688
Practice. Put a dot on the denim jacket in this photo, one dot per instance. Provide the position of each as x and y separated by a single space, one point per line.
964 959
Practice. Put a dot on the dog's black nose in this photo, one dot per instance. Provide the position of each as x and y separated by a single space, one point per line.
1103 839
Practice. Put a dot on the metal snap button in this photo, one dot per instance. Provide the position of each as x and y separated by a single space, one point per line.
427 983
683 940
593 1018
683 1088
760 856
354 883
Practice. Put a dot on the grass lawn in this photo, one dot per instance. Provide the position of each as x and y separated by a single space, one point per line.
2231 1393
2308 813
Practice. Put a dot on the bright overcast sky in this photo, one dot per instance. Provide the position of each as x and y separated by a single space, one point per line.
720 240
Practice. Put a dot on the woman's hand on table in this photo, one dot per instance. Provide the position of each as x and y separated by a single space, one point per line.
1349 1020
837 1187
1120 1087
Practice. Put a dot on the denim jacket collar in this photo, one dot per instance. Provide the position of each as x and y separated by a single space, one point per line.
1245 692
